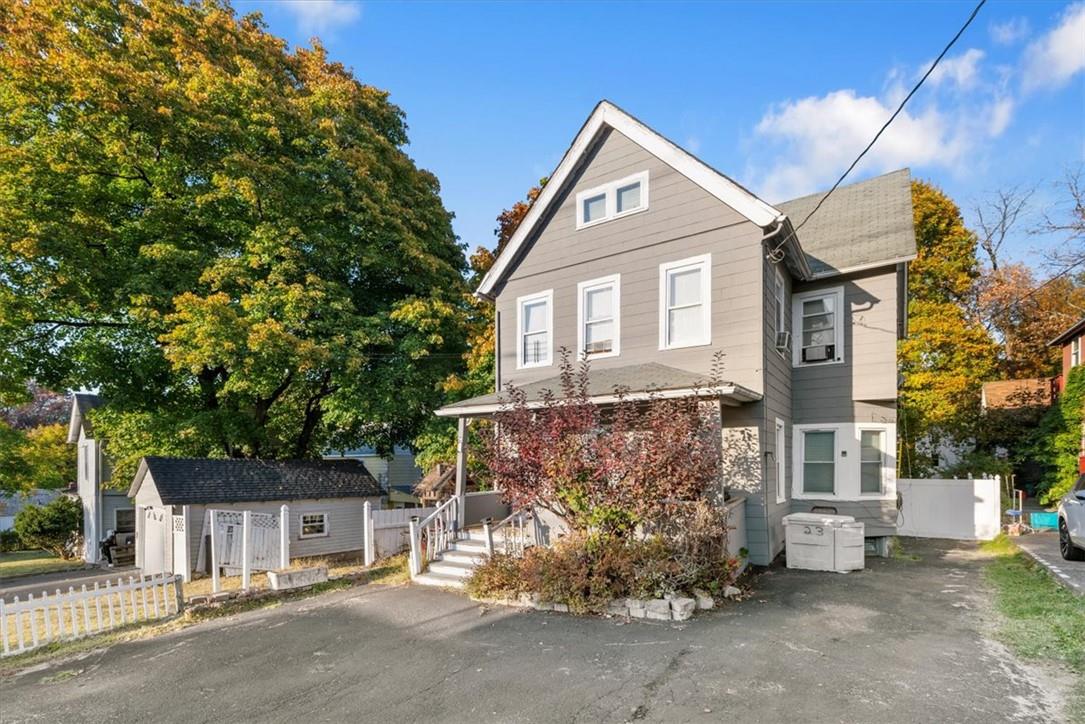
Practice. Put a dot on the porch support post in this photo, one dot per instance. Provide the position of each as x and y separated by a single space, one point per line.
461 468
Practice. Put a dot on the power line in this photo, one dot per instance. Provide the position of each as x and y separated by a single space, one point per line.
975 11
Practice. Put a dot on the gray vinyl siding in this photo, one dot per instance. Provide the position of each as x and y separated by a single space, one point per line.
865 384
682 220
111 503
777 404
744 471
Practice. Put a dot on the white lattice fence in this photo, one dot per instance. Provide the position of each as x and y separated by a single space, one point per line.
37 621
243 541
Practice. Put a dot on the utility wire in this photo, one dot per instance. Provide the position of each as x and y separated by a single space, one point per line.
1005 307
775 255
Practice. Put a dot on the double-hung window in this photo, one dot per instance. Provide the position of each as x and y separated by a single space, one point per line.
685 304
819 462
534 329
314 525
871 461
1075 352
781 461
612 200
819 324
599 317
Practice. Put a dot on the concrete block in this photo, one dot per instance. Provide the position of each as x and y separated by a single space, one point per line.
220 597
637 608
618 607
704 599
658 609
682 608
198 600
529 599
731 592
561 607
284 580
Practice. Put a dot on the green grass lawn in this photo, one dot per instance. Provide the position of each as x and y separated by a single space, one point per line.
1040 619
22 563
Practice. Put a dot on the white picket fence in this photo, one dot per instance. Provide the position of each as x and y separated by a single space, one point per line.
37 621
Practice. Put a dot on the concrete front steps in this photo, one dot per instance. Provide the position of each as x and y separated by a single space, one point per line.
452 568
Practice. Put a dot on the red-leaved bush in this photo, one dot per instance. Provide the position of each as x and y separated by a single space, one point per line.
606 470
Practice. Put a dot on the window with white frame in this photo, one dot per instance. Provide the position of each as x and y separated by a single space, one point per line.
871 462
1075 352
819 461
534 323
781 461
314 525
685 304
612 200
819 326
599 317
783 339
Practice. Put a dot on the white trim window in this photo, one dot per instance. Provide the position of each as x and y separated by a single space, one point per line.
818 462
783 339
314 525
871 461
819 325
781 461
685 302
598 314
612 200
535 330
1075 351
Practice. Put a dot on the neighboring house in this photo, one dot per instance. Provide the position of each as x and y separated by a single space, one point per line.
1017 394
325 500
648 262
1070 342
394 472
103 509
12 503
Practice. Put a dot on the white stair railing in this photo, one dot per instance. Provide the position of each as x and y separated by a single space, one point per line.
433 534
511 536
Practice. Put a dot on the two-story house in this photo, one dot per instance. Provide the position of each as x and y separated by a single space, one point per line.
648 261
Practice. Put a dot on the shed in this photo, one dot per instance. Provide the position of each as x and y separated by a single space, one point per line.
325 502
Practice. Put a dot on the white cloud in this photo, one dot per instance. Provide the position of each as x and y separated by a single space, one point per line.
316 16
805 145
1009 32
961 71
1052 60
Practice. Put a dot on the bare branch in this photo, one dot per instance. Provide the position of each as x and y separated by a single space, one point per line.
998 215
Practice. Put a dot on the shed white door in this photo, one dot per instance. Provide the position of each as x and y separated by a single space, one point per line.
155 535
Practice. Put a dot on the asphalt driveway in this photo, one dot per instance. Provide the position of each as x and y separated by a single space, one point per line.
903 641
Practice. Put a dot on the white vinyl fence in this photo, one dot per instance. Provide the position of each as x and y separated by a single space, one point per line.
388 531
244 541
957 509
37 621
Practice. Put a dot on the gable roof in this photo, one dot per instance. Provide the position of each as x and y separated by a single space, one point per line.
607 115
861 225
203 481
82 403
1068 334
638 380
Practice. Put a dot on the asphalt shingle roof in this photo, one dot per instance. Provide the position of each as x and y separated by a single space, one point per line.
604 381
864 223
201 481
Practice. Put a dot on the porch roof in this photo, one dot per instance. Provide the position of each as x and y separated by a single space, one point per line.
638 381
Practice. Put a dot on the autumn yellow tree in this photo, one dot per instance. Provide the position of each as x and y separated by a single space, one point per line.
948 353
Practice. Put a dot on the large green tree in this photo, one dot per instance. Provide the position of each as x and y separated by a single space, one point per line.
437 442
222 234
948 353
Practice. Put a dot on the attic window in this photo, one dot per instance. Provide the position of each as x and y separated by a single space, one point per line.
613 200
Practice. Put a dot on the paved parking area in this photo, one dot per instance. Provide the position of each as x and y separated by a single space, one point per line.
903 641
49 582
1044 549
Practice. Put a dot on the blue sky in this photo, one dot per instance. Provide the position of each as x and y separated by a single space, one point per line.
780 96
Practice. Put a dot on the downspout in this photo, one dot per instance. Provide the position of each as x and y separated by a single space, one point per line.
774 256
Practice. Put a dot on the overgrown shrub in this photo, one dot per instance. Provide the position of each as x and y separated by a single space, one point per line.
50 527
10 541
1057 440
586 572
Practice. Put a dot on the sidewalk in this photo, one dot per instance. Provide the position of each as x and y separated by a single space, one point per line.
49 582
1044 549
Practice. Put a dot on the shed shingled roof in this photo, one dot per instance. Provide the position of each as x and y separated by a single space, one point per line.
202 481
861 224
